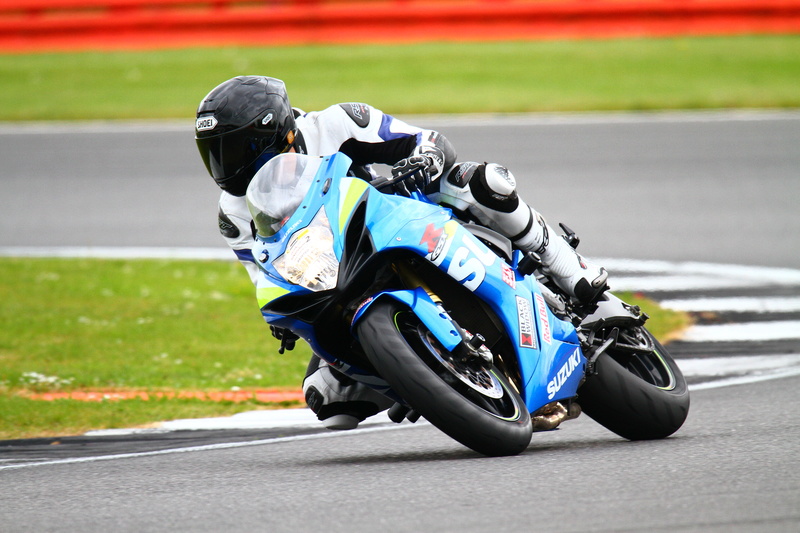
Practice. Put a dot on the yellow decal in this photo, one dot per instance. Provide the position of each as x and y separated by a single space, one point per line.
266 294
350 191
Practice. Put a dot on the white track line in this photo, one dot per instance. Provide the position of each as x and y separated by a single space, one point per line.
131 252
728 371
203 448
449 120
662 274
681 283
741 304
727 366
745 331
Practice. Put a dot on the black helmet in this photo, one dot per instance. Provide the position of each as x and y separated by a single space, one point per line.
241 125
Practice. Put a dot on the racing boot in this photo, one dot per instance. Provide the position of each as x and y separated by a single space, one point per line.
339 401
576 276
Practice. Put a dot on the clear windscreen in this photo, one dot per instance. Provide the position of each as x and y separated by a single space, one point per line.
278 188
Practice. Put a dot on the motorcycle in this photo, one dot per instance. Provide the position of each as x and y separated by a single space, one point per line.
446 318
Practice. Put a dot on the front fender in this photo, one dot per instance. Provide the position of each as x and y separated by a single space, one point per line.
429 312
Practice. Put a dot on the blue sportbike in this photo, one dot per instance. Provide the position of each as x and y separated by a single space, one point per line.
446 318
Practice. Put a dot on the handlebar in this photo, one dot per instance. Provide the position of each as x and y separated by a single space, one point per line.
385 184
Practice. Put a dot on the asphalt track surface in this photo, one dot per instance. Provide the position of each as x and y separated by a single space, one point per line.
716 188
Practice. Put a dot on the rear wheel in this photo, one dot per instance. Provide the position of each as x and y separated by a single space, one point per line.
638 391
472 403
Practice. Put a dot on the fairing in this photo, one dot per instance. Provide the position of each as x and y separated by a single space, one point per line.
546 349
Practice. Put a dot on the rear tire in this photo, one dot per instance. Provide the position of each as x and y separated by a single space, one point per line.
472 404
637 394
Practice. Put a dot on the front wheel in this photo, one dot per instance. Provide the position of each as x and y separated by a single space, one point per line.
638 391
472 404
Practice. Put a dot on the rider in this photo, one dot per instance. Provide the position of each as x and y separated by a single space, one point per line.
247 120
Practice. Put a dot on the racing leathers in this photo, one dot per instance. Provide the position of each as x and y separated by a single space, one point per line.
483 192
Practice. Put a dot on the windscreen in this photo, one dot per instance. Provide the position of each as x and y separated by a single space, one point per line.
278 188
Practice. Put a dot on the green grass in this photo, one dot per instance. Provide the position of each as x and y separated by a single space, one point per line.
153 325
71 324
664 324
617 74
147 324
24 418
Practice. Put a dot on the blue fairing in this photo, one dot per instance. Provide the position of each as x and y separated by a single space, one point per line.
547 348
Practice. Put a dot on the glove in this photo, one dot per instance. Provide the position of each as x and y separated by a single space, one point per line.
286 336
416 181
429 165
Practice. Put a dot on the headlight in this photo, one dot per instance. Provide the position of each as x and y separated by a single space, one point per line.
309 260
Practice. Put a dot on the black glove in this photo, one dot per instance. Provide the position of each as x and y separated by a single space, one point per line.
286 336
429 165
419 178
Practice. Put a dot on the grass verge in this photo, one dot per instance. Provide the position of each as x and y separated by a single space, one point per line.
151 325
664 324
613 74
24 418
143 324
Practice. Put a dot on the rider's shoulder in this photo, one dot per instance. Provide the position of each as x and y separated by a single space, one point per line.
349 115
358 112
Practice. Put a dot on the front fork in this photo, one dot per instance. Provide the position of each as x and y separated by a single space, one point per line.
471 346
412 280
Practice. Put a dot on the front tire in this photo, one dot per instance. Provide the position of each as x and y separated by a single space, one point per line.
472 404
639 394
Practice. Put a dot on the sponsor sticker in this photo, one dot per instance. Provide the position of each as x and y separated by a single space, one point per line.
359 113
544 320
468 261
462 174
206 123
508 276
563 374
358 110
432 238
527 334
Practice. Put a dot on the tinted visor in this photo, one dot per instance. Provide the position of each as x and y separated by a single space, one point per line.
232 158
